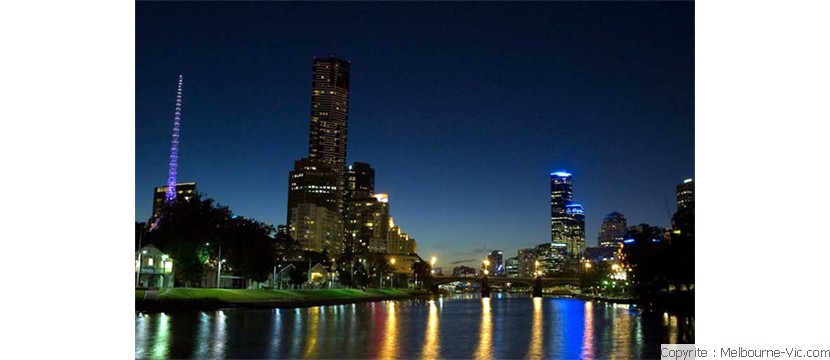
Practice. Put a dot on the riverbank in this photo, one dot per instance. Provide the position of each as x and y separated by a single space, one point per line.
210 299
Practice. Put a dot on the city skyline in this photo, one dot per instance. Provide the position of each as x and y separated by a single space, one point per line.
435 168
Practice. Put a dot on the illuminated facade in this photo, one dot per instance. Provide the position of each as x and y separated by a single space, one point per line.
186 190
526 262
567 219
511 267
314 182
612 231
329 117
399 242
496 258
154 269
686 194
367 224
575 229
552 258
316 228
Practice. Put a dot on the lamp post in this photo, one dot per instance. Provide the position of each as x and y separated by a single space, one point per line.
392 276
219 262
138 273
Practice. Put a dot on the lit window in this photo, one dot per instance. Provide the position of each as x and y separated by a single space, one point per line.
149 261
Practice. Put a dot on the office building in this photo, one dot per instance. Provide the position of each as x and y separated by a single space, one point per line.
686 194
567 219
511 266
526 262
367 224
360 181
612 230
496 258
316 228
186 191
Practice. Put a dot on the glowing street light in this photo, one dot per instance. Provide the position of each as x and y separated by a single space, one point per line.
433 261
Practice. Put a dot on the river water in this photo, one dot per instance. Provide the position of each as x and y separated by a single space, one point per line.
456 327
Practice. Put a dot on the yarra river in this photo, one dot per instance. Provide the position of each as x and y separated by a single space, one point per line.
455 327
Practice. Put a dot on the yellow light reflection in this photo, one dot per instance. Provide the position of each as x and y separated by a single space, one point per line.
389 349
432 346
671 322
588 332
311 334
535 348
485 336
622 332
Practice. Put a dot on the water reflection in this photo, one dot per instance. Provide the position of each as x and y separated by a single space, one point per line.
432 346
588 332
535 348
507 327
485 340
311 333
389 348
161 344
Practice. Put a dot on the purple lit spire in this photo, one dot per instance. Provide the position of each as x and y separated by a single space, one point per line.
170 196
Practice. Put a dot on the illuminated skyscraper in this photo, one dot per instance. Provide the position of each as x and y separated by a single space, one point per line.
612 231
329 116
567 219
317 184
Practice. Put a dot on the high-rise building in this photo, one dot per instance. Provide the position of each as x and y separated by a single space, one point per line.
561 194
360 181
496 258
329 116
567 219
511 266
527 262
575 229
316 228
186 191
312 181
552 258
686 194
367 224
612 231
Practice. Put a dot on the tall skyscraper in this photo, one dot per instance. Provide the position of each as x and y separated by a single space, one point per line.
686 194
567 219
575 229
317 183
612 231
329 116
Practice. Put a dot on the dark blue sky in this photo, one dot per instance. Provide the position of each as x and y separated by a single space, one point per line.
463 109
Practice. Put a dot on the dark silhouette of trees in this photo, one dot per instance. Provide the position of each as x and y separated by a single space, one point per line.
191 232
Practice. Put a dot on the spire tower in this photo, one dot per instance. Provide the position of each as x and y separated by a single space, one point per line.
170 196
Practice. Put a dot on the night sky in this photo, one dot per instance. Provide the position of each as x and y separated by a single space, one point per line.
462 109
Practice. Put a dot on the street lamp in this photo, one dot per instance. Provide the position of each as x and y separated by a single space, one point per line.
536 272
391 277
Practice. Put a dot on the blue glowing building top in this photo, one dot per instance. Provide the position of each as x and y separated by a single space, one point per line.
560 174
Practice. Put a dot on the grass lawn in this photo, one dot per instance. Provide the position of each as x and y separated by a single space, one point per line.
275 295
